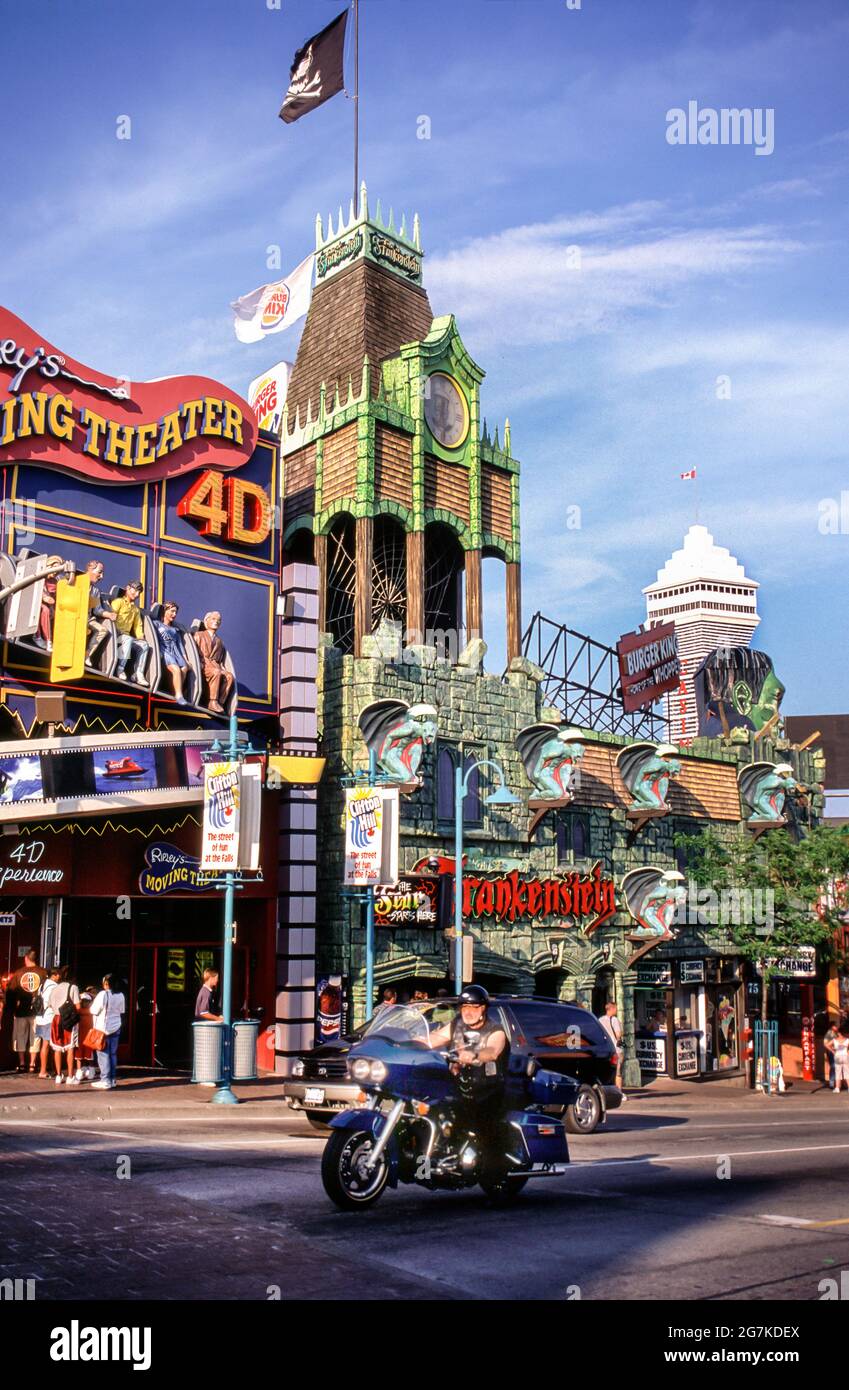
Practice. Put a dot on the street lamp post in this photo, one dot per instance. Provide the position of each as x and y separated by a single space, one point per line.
223 1095
502 796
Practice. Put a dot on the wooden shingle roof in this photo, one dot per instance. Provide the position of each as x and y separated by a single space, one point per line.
704 790
362 310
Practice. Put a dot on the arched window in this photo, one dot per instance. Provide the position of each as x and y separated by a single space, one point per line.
446 764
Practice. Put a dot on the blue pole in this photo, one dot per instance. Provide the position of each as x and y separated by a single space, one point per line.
223 1095
458 874
372 775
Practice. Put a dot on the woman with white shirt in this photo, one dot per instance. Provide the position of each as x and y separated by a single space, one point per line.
107 1009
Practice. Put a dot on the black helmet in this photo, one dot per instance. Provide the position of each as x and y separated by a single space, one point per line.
474 994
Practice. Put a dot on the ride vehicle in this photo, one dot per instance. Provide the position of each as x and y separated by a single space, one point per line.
414 1123
562 1037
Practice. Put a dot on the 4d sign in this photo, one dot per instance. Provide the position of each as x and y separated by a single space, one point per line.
56 412
228 507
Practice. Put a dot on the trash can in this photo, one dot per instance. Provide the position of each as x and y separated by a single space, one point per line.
207 1052
245 1038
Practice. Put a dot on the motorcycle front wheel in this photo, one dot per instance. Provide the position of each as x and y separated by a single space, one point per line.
347 1181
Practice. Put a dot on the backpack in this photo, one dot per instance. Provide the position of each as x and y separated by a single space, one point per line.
69 1014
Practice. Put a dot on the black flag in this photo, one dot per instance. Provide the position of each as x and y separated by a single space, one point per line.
317 72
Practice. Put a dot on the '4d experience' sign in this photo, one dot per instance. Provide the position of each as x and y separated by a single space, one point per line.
55 411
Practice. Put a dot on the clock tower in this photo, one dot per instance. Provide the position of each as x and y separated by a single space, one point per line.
392 482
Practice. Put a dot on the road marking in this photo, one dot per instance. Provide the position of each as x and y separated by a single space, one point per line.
787 1220
692 1158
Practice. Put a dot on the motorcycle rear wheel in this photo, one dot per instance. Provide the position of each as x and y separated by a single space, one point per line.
346 1181
502 1189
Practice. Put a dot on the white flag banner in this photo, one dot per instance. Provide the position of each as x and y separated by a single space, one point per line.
274 307
371 835
221 802
267 396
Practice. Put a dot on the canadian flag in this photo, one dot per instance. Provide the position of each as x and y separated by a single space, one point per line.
691 474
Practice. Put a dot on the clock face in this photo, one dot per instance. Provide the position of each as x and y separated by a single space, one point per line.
446 411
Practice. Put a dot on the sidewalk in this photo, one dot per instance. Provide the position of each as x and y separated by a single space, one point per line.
167 1095
141 1093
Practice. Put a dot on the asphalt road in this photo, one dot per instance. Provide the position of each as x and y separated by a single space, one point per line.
741 1201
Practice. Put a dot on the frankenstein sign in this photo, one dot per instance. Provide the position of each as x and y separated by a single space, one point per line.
511 898
406 262
333 256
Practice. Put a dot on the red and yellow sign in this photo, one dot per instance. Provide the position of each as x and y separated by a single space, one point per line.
56 411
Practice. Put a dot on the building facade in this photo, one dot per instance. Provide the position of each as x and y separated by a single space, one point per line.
153 602
705 591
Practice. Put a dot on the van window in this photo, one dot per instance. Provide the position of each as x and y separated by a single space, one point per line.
558 1026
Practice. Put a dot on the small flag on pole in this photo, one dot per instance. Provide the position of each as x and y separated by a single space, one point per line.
690 474
317 72
273 307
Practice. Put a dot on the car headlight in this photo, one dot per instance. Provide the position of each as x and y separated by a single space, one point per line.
299 1068
361 1069
378 1071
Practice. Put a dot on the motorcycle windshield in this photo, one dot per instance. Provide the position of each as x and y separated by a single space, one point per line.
406 1023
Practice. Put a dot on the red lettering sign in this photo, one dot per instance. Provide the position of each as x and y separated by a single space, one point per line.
510 898
649 665
56 412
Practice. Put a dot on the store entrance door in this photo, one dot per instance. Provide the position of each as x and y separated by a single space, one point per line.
167 979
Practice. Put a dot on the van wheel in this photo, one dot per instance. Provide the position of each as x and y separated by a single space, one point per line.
584 1114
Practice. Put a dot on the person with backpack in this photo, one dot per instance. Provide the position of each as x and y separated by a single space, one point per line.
107 1009
44 1018
65 1026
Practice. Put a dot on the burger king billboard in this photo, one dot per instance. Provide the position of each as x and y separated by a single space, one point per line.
267 396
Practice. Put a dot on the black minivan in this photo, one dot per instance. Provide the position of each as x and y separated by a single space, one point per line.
565 1038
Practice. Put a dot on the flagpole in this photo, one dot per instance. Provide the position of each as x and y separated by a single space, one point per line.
356 104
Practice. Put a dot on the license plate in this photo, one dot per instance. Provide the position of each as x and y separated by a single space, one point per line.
313 1095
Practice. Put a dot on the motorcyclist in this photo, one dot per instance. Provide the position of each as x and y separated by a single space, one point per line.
481 1046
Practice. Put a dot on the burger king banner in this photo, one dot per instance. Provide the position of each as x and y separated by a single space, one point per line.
267 396
273 307
56 412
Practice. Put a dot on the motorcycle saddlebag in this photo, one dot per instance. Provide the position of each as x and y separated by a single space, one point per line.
551 1088
544 1136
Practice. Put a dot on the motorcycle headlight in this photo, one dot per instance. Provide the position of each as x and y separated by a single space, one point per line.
361 1069
298 1068
378 1071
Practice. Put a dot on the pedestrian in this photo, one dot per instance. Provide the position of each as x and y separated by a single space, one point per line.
65 1026
841 1058
828 1041
86 1069
23 993
206 1004
44 1018
612 1026
107 1009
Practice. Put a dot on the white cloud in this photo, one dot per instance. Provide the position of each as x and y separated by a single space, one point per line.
525 284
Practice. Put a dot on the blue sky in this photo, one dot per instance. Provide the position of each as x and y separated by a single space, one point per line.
548 130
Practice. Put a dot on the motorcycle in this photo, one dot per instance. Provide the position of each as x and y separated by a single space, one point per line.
408 1129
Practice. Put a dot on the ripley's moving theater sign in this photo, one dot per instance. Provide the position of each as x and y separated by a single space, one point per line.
137 531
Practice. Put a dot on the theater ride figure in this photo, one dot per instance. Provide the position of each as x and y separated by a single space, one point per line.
171 649
100 614
129 626
217 680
